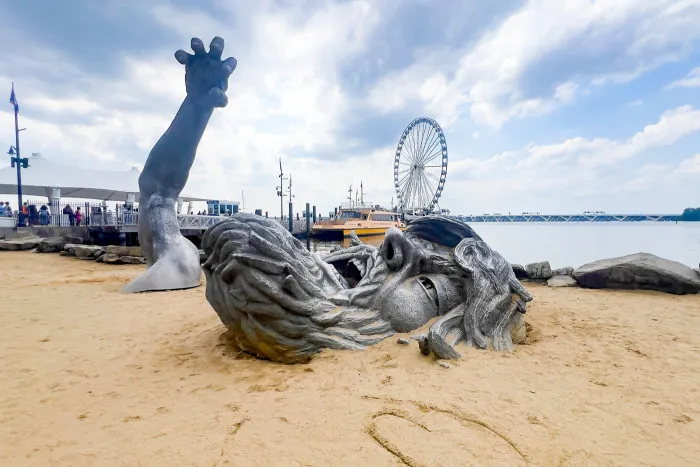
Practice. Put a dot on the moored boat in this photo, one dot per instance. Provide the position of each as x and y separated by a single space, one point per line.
364 220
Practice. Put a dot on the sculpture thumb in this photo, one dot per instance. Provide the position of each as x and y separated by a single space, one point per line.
217 98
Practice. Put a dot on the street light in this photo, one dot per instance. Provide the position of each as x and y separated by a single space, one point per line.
17 159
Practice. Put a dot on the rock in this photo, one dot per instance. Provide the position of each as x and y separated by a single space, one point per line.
567 271
101 258
57 244
69 248
639 271
562 281
540 270
697 270
519 271
111 258
423 345
18 245
402 341
124 250
517 331
132 259
63 253
202 256
443 363
87 251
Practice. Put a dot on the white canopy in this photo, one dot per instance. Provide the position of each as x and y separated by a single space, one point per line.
74 182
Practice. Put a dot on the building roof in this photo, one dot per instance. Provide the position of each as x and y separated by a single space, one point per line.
74 182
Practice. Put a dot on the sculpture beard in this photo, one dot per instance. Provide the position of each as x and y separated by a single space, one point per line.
284 303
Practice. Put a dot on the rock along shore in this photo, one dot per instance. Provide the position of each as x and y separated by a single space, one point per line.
637 271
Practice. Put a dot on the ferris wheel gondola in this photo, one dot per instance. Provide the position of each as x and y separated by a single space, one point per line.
420 166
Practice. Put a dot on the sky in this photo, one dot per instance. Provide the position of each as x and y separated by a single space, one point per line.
550 106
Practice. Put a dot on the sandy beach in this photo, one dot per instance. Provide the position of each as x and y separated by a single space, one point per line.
94 377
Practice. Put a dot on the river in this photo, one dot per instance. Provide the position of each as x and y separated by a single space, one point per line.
574 244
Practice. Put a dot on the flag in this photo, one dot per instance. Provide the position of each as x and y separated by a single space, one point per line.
13 98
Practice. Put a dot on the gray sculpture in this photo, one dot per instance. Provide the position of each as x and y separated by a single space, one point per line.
284 303
172 260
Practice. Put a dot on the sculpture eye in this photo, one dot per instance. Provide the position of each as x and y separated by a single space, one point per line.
429 288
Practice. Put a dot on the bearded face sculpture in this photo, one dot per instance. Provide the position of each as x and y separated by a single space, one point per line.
283 303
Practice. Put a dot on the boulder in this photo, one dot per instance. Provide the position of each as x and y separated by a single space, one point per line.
69 248
87 251
562 281
567 271
111 258
639 271
124 250
20 244
132 259
57 244
540 270
519 271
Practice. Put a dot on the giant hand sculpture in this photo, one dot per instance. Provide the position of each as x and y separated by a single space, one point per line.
284 303
172 260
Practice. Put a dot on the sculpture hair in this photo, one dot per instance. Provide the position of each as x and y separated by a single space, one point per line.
283 302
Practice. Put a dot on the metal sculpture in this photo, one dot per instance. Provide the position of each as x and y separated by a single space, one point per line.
420 166
283 303
172 260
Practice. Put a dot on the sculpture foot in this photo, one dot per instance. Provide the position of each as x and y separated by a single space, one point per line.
177 268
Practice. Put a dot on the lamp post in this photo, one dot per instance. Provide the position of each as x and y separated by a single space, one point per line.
16 159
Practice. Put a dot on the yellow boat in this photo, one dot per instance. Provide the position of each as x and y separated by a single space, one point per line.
364 221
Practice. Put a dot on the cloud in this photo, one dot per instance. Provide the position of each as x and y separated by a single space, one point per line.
689 166
538 58
328 87
578 169
691 80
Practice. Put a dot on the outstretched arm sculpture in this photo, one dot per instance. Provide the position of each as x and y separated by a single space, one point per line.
284 303
172 260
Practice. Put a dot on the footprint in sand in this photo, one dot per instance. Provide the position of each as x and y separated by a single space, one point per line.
418 435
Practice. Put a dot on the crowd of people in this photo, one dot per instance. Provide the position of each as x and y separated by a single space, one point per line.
41 215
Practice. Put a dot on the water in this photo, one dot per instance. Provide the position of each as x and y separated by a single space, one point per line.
574 244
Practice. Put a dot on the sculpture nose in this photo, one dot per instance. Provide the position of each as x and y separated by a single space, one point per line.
391 248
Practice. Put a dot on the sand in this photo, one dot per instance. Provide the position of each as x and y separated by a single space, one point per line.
94 377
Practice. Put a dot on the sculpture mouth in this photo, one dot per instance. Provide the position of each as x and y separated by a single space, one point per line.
352 270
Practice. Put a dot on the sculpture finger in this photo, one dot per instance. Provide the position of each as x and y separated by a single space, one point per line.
198 46
182 57
216 47
229 65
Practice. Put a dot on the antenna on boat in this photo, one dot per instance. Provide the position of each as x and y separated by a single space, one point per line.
362 194
350 194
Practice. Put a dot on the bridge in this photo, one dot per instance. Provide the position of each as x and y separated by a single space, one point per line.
601 217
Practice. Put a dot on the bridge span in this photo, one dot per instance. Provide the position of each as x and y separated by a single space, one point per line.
602 217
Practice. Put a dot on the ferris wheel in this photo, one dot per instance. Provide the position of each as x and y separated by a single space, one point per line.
420 166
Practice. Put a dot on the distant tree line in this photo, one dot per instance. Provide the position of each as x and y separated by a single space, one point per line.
690 214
